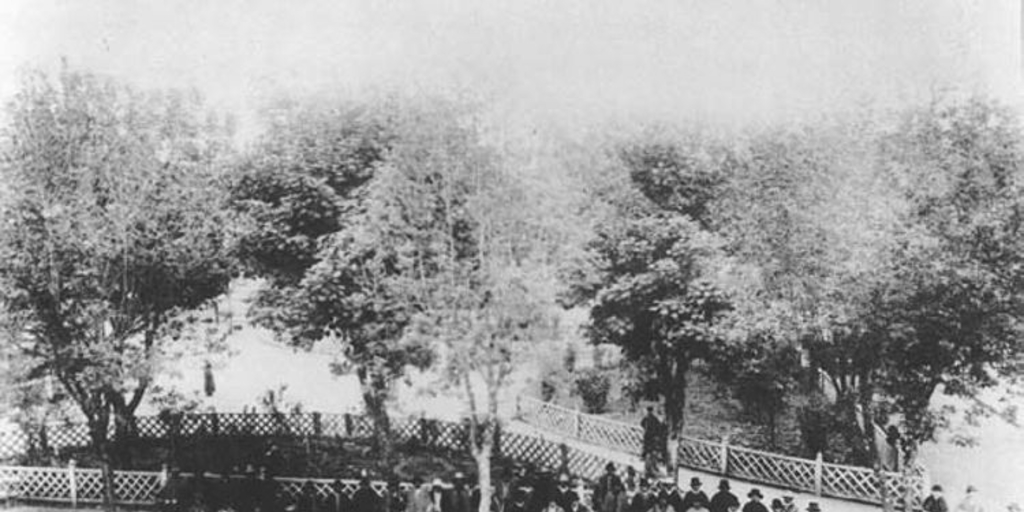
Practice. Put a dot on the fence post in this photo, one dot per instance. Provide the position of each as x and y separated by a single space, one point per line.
72 483
348 424
318 428
723 457
564 463
818 474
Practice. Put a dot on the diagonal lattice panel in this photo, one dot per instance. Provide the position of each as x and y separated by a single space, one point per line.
610 434
849 482
136 486
697 454
770 468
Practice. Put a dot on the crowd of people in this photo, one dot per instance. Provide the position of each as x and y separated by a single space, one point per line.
936 502
517 490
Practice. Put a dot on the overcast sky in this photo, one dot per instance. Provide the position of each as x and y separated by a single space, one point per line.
557 59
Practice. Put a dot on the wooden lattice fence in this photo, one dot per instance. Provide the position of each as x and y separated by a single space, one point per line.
810 475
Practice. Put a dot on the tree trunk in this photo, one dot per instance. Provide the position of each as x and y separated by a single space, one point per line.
98 424
675 407
482 455
375 394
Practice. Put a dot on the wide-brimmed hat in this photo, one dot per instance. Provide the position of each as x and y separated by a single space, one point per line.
723 485
695 481
754 493
813 507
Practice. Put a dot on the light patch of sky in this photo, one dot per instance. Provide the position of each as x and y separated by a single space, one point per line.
568 61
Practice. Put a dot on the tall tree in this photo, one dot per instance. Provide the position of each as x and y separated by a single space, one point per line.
649 281
112 225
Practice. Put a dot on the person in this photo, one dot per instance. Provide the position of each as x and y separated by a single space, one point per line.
563 492
574 504
436 495
695 497
970 502
418 497
787 502
458 498
777 505
813 507
615 499
723 500
754 505
630 481
518 501
670 491
170 497
365 499
650 451
935 502
661 504
643 500
604 484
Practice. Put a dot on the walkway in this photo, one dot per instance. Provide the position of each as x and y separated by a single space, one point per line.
709 480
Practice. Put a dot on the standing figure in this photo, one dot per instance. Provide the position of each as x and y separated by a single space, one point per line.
615 499
723 500
651 451
935 502
755 505
436 496
604 484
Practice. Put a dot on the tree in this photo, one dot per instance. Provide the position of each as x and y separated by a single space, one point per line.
649 282
113 225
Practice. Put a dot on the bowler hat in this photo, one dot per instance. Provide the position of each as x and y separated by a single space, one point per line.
813 507
754 493
723 485
694 481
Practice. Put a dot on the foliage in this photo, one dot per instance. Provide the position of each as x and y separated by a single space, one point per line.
593 386
113 226
648 286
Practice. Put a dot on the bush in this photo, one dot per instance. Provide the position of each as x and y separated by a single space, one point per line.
593 386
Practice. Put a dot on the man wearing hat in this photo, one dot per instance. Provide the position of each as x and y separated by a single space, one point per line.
695 497
723 500
643 500
670 492
604 484
755 505
563 491
458 499
935 502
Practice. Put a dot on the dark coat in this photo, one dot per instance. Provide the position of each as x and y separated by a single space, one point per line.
366 499
754 506
693 500
722 500
933 504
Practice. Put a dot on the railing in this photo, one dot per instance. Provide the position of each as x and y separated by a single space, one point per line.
85 485
810 475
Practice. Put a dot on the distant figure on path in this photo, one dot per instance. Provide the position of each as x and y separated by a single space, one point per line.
813 507
755 505
935 502
651 452
723 500
970 502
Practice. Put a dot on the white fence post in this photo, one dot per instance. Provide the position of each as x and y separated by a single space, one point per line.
819 472
72 483
723 458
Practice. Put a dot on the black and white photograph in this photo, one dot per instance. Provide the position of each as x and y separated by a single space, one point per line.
512 256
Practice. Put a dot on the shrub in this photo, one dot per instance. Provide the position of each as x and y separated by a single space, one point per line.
593 386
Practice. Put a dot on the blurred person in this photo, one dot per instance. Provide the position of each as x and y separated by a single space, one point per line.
755 505
724 500
970 503
935 502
